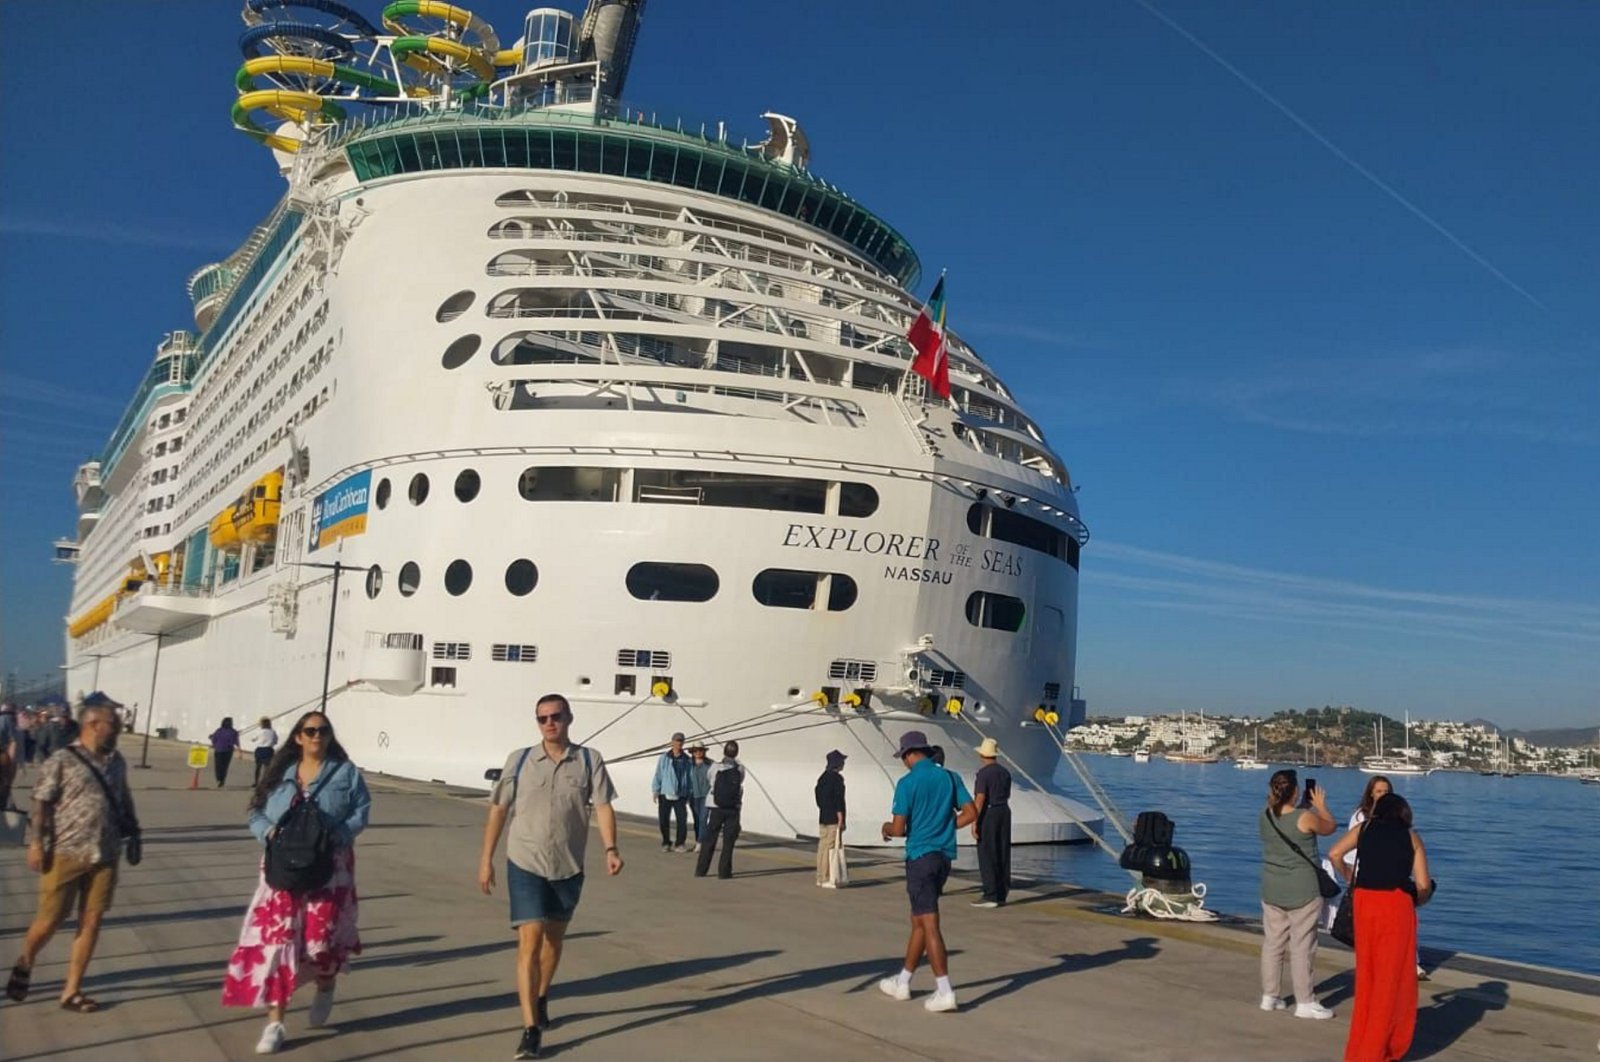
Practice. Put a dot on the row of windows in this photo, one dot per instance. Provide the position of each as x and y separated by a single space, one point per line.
169 446
698 583
662 486
1006 525
705 167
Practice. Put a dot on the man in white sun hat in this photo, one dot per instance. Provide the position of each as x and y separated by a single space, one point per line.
991 792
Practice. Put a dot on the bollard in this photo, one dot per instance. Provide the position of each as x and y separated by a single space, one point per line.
194 780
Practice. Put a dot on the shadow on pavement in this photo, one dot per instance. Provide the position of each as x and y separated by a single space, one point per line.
1133 949
1452 1013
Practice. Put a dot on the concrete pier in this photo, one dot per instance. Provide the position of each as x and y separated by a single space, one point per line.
662 966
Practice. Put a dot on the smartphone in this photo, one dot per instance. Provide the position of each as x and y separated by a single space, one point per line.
1311 787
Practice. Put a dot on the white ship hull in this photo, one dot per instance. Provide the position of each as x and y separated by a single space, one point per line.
647 363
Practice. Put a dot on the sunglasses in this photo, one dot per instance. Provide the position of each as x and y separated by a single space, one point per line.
316 731
543 719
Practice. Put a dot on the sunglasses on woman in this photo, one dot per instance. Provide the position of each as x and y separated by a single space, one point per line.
316 731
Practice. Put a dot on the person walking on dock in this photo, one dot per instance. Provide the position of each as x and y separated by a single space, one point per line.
1291 900
830 817
727 798
930 805
546 790
60 731
670 789
224 740
991 793
10 748
82 813
699 790
291 932
264 742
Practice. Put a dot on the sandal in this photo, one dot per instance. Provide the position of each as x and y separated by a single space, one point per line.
79 1003
17 987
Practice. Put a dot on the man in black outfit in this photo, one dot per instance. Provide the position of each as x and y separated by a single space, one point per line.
991 792
830 816
727 797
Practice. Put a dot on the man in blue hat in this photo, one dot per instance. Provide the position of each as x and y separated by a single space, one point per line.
930 804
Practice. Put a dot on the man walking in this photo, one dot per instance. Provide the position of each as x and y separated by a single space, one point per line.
546 790
830 817
60 731
10 746
991 793
82 809
925 812
670 789
727 797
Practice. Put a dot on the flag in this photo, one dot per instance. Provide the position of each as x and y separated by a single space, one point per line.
927 336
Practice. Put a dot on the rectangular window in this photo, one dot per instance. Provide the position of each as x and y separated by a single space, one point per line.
626 685
442 678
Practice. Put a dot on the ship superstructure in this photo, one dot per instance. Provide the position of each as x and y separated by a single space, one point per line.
561 395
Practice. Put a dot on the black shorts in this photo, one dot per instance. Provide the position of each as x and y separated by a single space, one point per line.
925 878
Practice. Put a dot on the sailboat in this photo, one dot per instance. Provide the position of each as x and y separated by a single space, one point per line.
1381 764
1252 762
1194 747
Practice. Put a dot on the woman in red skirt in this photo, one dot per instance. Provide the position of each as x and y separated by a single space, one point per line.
290 938
1391 881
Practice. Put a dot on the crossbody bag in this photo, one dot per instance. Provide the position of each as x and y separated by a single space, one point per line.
127 825
1327 888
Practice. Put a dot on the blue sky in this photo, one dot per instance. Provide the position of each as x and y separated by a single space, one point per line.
1305 295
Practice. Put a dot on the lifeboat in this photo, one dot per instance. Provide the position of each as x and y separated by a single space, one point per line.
255 516
102 610
224 539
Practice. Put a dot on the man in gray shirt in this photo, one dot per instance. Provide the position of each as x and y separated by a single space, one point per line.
546 791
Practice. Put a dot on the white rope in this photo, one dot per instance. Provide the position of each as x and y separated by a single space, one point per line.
1181 907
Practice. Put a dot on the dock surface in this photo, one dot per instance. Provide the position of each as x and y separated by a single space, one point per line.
661 965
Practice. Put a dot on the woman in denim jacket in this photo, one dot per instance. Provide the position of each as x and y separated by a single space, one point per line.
286 934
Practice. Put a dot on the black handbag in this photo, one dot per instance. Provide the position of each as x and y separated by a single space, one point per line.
1326 886
127 825
1344 920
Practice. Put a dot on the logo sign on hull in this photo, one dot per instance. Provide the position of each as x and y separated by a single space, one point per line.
341 510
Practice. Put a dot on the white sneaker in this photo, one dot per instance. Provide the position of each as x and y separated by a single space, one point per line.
1312 1010
1273 1003
679 848
695 847
826 885
941 1001
892 988
321 1007
987 904
272 1038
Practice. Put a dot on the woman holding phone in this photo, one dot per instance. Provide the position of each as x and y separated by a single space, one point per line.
1290 898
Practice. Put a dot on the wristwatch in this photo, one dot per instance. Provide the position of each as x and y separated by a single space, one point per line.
612 848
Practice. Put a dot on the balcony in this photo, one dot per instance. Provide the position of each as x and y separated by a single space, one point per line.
162 609
91 491
394 662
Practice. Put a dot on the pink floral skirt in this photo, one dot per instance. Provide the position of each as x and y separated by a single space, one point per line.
289 938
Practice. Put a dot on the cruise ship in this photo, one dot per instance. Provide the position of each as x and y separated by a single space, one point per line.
520 388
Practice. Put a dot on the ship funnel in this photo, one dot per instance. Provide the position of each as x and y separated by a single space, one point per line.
609 30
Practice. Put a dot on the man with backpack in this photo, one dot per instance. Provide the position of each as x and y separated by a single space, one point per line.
727 796
930 804
546 790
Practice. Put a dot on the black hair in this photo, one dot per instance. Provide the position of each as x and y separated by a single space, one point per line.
289 753
731 750
555 698
1392 807
227 722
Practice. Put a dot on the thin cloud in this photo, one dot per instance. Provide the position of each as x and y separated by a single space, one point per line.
107 232
30 390
1339 153
1175 581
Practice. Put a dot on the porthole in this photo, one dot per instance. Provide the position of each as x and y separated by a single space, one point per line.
661 581
521 577
467 484
457 578
418 491
383 493
410 578
789 588
455 306
460 352
998 612
374 580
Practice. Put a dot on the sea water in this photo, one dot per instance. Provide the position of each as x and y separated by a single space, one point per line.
1517 859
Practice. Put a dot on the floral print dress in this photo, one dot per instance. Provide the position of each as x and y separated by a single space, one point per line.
289 939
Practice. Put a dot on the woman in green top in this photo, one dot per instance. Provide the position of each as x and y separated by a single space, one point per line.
1290 900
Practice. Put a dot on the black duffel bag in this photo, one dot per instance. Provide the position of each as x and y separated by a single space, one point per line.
300 849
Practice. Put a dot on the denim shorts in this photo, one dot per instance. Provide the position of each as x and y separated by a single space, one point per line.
925 878
536 899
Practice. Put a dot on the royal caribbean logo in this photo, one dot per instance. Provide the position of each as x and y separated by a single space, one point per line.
341 510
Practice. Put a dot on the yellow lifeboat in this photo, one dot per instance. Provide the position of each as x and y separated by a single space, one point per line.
255 516
102 610
224 539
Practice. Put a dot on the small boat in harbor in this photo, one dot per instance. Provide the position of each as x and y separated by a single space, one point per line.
1404 764
1141 754
1252 762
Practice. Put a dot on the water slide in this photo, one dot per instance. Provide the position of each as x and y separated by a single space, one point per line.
300 58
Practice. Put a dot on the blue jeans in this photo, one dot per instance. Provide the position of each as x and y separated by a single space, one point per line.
697 806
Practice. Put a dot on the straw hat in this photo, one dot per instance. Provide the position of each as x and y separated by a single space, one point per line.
989 749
